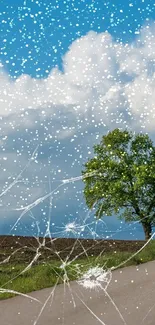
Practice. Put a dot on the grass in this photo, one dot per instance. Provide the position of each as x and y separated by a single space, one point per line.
46 274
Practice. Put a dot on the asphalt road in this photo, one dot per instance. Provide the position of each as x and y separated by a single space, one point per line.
130 300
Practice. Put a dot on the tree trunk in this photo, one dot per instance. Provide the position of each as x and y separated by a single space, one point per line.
147 230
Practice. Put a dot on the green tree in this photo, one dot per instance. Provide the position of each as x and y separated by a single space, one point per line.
120 179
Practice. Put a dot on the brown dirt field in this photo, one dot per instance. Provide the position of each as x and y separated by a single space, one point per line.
23 248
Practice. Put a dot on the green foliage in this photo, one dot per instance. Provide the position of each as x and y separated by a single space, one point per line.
122 177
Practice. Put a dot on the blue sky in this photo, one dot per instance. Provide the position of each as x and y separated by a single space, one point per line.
70 71
41 32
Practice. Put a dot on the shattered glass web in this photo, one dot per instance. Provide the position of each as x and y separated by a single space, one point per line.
74 109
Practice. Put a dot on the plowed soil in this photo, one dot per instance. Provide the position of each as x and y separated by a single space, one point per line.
24 248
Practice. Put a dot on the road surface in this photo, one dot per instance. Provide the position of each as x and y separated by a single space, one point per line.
130 300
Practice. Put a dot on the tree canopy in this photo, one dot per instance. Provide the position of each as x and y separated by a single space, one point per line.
120 179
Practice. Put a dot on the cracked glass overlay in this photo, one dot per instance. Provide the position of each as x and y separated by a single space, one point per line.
57 99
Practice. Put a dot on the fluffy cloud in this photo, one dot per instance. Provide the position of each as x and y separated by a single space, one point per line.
102 80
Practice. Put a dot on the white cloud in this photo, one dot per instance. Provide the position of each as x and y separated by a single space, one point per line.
103 80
